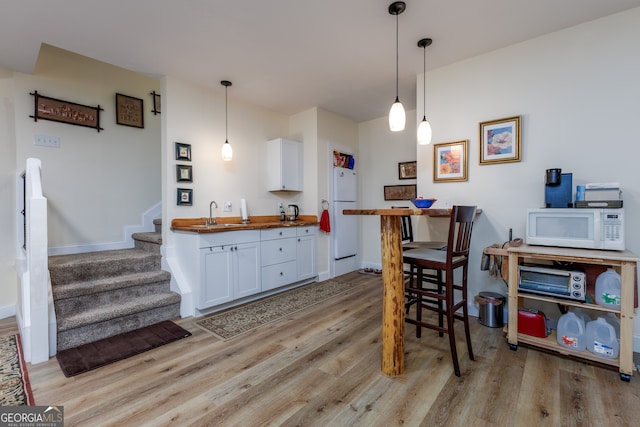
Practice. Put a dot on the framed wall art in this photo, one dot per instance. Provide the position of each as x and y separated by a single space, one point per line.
407 170
500 141
156 103
400 192
184 173
183 151
129 111
450 161
185 197
57 110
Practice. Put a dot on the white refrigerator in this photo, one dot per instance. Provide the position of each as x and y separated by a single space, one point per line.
345 192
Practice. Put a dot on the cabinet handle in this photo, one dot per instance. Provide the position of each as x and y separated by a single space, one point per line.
281 233
280 249
281 273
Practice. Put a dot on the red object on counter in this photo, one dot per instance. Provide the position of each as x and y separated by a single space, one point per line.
325 224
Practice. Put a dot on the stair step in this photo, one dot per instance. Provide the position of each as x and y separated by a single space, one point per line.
95 265
148 241
104 322
151 237
108 284
130 306
75 298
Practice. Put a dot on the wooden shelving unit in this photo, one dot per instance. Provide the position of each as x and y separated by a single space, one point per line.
624 262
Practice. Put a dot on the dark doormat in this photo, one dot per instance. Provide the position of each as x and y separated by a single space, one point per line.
86 357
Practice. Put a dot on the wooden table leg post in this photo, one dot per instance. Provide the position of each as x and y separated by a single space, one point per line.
393 299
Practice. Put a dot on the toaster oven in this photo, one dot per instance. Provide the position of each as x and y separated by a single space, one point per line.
555 282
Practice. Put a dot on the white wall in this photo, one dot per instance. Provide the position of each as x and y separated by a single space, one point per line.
577 92
8 277
196 115
380 152
96 183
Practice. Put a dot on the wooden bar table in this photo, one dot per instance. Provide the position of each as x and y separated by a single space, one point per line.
393 281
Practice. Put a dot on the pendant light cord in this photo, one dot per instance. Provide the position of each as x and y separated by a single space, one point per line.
424 84
226 114
397 59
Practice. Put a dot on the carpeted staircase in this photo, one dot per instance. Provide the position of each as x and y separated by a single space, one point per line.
101 294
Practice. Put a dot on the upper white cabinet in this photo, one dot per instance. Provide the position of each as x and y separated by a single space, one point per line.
284 165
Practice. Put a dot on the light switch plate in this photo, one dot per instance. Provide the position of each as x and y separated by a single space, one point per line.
46 141
227 206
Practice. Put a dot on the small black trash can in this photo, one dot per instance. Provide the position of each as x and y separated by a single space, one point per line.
491 310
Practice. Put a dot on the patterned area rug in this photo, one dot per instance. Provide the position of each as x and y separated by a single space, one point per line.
15 389
247 317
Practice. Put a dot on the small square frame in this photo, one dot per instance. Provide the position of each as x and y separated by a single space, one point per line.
400 192
129 111
407 170
183 151
500 141
184 173
185 197
450 161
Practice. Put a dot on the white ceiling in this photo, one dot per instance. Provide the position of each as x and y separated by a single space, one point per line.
286 55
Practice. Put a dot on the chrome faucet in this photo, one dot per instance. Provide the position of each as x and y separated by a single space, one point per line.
211 220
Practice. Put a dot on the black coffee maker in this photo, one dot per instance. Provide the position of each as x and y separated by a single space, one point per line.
557 189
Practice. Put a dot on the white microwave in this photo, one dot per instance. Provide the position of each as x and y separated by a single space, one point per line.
596 228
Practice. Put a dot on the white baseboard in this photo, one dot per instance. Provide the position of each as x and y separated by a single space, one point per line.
127 242
7 311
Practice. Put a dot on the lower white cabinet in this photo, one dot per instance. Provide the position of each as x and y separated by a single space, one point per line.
237 264
306 251
229 272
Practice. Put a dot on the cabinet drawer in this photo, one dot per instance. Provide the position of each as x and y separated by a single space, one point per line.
274 276
309 230
278 251
277 233
228 238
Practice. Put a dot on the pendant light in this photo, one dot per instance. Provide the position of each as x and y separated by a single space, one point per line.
424 128
227 152
397 116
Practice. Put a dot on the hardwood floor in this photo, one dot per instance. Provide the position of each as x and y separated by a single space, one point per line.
321 367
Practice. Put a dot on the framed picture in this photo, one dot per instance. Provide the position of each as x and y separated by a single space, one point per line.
129 111
184 173
156 103
407 170
185 196
500 141
400 192
183 151
57 110
450 161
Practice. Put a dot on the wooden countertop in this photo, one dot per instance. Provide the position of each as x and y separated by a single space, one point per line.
433 212
197 225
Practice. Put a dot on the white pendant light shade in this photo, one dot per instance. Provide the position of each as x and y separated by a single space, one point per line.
227 152
424 132
397 117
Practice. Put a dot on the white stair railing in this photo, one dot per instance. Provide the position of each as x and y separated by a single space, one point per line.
35 313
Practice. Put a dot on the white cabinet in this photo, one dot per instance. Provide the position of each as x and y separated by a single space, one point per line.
284 165
217 278
306 251
230 267
278 253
